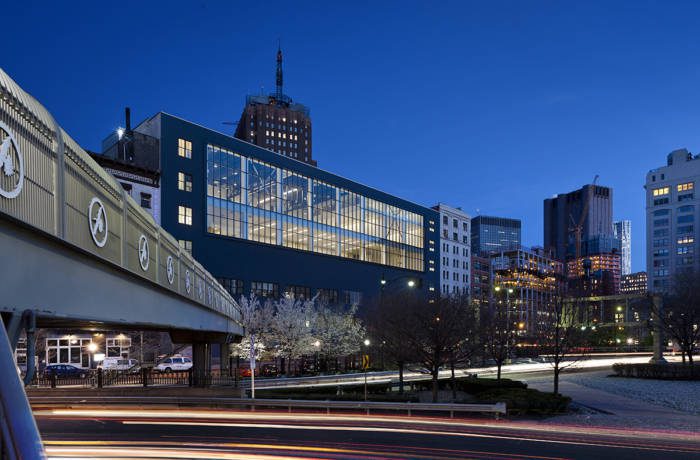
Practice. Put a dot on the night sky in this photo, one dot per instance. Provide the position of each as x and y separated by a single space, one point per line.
490 106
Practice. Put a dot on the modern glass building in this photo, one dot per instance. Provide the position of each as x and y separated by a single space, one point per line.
494 234
270 224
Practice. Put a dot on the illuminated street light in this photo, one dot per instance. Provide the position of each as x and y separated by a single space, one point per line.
411 283
497 288
317 344
510 290
120 133
630 340
366 342
92 347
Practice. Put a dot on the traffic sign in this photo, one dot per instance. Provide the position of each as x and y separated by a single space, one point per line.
365 362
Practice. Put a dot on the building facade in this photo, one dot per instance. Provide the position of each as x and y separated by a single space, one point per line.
634 283
528 281
455 250
275 122
590 206
671 214
495 234
622 230
264 223
594 275
480 279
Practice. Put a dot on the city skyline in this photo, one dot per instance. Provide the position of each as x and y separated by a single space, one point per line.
553 95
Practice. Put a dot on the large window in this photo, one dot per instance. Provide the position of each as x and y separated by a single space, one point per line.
253 200
184 181
661 191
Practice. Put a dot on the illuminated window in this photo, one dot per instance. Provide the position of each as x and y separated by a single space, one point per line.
661 191
184 148
686 240
184 181
685 187
184 215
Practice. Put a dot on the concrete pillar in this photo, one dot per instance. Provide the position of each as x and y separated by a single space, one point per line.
658 346
201 364
225 359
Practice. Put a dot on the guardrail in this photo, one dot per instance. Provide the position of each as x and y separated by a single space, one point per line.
252 404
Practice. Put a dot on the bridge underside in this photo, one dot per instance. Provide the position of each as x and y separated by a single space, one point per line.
68 288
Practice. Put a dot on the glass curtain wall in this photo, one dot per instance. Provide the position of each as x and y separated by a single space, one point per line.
253 200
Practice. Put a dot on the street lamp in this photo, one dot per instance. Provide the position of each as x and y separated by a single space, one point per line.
317 345
365 365
366 342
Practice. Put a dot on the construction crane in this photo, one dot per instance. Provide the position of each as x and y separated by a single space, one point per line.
577 226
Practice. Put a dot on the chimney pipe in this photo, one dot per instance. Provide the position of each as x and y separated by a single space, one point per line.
127 114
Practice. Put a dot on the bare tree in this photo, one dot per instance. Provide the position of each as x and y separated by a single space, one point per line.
679 312
560 339
498 333
386 324
436 331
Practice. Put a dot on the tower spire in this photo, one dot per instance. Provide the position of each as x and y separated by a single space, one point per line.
279 71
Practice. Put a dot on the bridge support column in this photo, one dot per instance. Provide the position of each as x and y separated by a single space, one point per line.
225 359
658 346
201 364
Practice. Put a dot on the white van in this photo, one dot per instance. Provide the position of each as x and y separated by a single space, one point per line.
175 363
119 364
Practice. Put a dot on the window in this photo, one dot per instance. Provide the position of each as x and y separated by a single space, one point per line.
661 212
661 191
118 347
299 292
126 187
685 187
686 197
660 201
184 215
328 296
687 208
184 148
454 236
184 181
465 239
265 289
454 223
686 240
683 229
660 222
685 250
661 252
684 219
233 287
465 227
186 245
661 232
145 200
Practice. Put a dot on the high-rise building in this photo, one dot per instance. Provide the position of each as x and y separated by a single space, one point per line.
672 209
275 122
634 283
455 250
494 234
564 212
480 279
528 280
622 230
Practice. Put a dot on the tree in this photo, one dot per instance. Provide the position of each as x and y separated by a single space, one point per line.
560 339
386 324
291 328
679 312
339 332
257 320
498 333
436 329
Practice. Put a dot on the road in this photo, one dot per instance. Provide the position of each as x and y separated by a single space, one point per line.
143 432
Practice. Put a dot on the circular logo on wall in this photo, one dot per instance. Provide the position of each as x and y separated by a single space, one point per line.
97 218
188 281
200 289
143 252
11 164
170 269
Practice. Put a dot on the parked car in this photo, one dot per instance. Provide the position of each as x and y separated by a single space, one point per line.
65 371
269 370
175 363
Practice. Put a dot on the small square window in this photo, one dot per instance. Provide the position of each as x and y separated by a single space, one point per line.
184 148
184 182
184 215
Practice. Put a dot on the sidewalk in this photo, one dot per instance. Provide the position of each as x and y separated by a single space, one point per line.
607 407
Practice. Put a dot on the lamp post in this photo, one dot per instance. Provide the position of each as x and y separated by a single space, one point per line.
317 345
366 343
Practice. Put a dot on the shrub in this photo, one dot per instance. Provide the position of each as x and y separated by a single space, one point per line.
471 385
526 401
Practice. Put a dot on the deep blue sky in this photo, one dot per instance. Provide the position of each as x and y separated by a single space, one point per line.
490 106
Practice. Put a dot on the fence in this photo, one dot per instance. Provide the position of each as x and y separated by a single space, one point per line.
144 377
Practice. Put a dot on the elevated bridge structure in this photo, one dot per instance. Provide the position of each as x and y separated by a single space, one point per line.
77 252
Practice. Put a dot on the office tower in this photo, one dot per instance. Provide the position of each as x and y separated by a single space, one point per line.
275 122
623 231
494 234
672 209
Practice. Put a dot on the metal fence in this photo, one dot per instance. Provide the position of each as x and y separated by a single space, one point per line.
145 377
